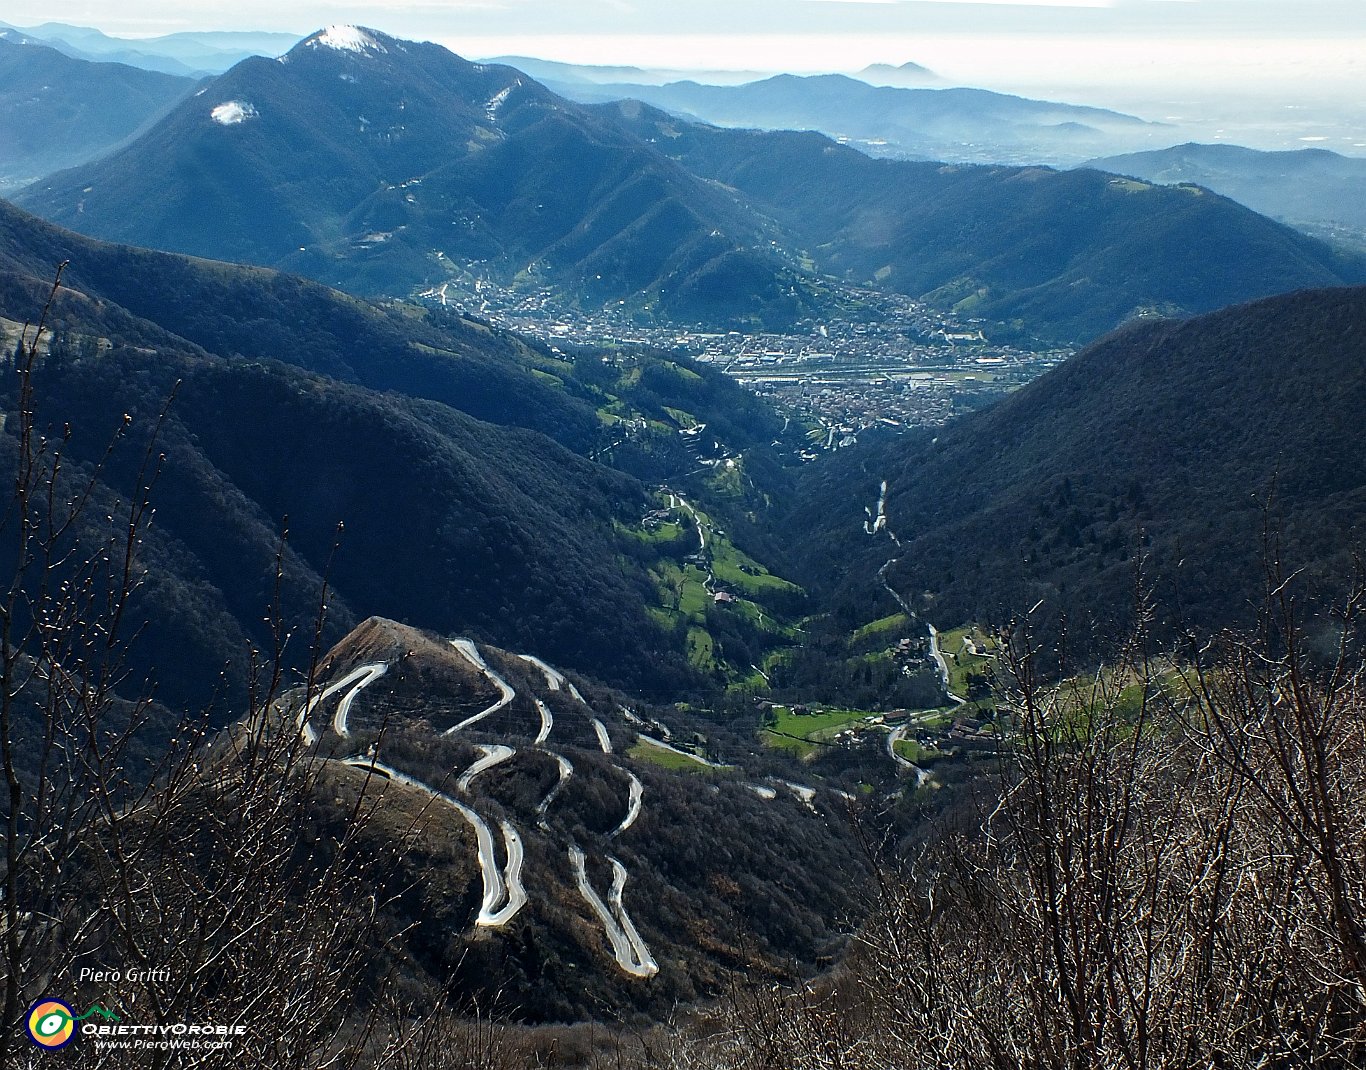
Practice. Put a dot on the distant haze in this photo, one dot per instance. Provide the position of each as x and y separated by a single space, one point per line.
1270 73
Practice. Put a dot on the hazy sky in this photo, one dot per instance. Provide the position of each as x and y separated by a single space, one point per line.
1330 19
1105 50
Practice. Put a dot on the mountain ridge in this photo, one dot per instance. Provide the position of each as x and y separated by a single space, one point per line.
57 112
456 455
1301 186
350 164
954 124
1061 254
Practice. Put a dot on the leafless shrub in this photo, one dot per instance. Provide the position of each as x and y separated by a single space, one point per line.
1172 877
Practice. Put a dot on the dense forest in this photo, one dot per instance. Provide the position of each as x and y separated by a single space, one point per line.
1171 456
425 465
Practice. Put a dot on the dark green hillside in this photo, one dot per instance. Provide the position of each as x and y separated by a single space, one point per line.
379 168
1067 255
56 112
252 313
447 521
425 434
149 298
1164 439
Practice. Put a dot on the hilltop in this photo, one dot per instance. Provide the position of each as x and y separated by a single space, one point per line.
384 166
560 867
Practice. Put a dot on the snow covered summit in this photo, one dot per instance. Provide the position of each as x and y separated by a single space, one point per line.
346 39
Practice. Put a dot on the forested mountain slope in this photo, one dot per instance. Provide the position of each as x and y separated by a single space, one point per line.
1160 453
377 164
1062 254
56 111
455 456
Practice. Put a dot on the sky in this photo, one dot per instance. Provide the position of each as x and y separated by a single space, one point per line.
1146 55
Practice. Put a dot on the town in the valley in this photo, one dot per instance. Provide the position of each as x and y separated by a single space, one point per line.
895 363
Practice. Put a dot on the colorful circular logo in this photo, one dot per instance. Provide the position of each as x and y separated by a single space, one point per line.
51 1023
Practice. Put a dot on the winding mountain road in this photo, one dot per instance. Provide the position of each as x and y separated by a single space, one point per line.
504 894
644 960
493 755
566 771
366 674
470 653
632 806
554 679
340 720
628 948
899 733
801 791
686 506
604 740
547 722
878 521
938 656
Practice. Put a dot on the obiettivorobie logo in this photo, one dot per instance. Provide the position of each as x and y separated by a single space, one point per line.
52 1022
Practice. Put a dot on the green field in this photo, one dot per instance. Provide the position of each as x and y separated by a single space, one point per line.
701 649
687 580
914 752
667 759
798 748
731 567
1115 691
886 626
960 662
800 733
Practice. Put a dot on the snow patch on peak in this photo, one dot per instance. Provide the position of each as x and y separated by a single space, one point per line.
232 113
346 39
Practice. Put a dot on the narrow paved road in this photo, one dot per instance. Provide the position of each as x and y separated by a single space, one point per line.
877 521
547 722
504 895
629 950
470 653
554 679
938 656
644 960
566 771
371 673
632 807
697 521
305 728
805 794
899 733
604 740
516 893
493 755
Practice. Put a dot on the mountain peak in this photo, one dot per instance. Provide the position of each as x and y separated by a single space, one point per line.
356 39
